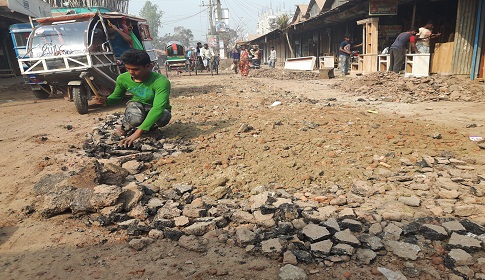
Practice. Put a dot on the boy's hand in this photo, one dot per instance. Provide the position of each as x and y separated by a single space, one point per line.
128 141
101 100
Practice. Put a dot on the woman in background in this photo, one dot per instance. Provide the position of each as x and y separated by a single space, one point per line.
244 62
235 58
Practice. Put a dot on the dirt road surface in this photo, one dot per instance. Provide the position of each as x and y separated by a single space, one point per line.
40 137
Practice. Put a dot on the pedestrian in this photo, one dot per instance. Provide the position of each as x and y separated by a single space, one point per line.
149 106
423 37
244 62
254 51
345 51
192 58
272 57
235 58
199 57
188 54
397 51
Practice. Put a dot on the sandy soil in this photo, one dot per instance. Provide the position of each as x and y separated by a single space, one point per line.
281 150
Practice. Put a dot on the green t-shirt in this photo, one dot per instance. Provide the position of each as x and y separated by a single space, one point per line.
155 91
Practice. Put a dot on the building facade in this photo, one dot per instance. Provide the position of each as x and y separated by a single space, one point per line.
458 50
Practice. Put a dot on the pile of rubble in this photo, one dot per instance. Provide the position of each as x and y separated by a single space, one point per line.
389 86
282 74
336 225
103 143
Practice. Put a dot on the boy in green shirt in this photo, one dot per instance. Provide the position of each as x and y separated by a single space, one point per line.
150 103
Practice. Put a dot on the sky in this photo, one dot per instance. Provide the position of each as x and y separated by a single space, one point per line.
191 14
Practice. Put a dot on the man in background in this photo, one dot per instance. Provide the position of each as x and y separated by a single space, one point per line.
198 49
235 58
424 36
344 54
254 52
397 52
120 41
272 58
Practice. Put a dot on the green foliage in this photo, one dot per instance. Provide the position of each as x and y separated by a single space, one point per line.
153 16
229 37
283 22
180 34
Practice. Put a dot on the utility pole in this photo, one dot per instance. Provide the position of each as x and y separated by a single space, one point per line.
219 18
211 13
213 33
211 20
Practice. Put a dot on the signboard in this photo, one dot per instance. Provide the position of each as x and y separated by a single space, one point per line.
383 7
222 54
220 26
212 41
33 8
225 17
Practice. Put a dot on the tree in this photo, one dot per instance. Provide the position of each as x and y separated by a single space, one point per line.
154 19
229 37
283 22
180 34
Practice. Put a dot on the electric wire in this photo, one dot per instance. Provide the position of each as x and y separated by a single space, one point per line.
243 8
184 18
244 24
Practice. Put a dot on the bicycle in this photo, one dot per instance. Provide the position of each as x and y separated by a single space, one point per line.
209 67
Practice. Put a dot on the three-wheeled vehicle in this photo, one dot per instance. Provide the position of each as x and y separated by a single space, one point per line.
176 60
19 33
76 53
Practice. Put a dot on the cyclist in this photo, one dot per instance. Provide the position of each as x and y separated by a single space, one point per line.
206 53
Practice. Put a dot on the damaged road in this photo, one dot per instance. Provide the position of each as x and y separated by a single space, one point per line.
253 177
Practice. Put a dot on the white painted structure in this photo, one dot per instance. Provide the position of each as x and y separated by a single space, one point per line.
301 63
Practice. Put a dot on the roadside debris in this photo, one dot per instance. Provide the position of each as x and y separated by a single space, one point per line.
391 87
333 226
281 74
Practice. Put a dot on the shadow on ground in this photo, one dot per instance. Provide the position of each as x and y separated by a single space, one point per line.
6 233
189 131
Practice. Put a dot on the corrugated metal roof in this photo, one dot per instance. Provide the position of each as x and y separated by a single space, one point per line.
300 12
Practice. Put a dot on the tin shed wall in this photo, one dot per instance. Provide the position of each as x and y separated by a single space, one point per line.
464 37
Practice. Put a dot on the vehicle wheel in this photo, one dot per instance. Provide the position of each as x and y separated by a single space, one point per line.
166 70
80 98
42 93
